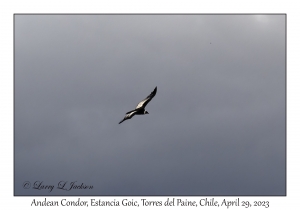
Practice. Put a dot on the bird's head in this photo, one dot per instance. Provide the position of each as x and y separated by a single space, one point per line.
146 112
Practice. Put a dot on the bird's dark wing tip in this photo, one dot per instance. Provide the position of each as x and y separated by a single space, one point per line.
155 89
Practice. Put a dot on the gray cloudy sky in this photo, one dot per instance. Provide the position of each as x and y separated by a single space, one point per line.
216 125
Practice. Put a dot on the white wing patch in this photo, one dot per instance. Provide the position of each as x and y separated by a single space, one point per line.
141 103
130 115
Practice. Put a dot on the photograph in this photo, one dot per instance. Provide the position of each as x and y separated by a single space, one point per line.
149 104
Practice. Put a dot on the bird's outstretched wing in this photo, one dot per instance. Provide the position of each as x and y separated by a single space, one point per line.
128 116
144 102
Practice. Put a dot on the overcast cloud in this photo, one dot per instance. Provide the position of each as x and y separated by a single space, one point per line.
216 125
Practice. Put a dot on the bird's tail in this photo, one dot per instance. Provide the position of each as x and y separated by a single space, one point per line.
121 121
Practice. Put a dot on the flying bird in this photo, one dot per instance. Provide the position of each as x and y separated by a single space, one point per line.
140 108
